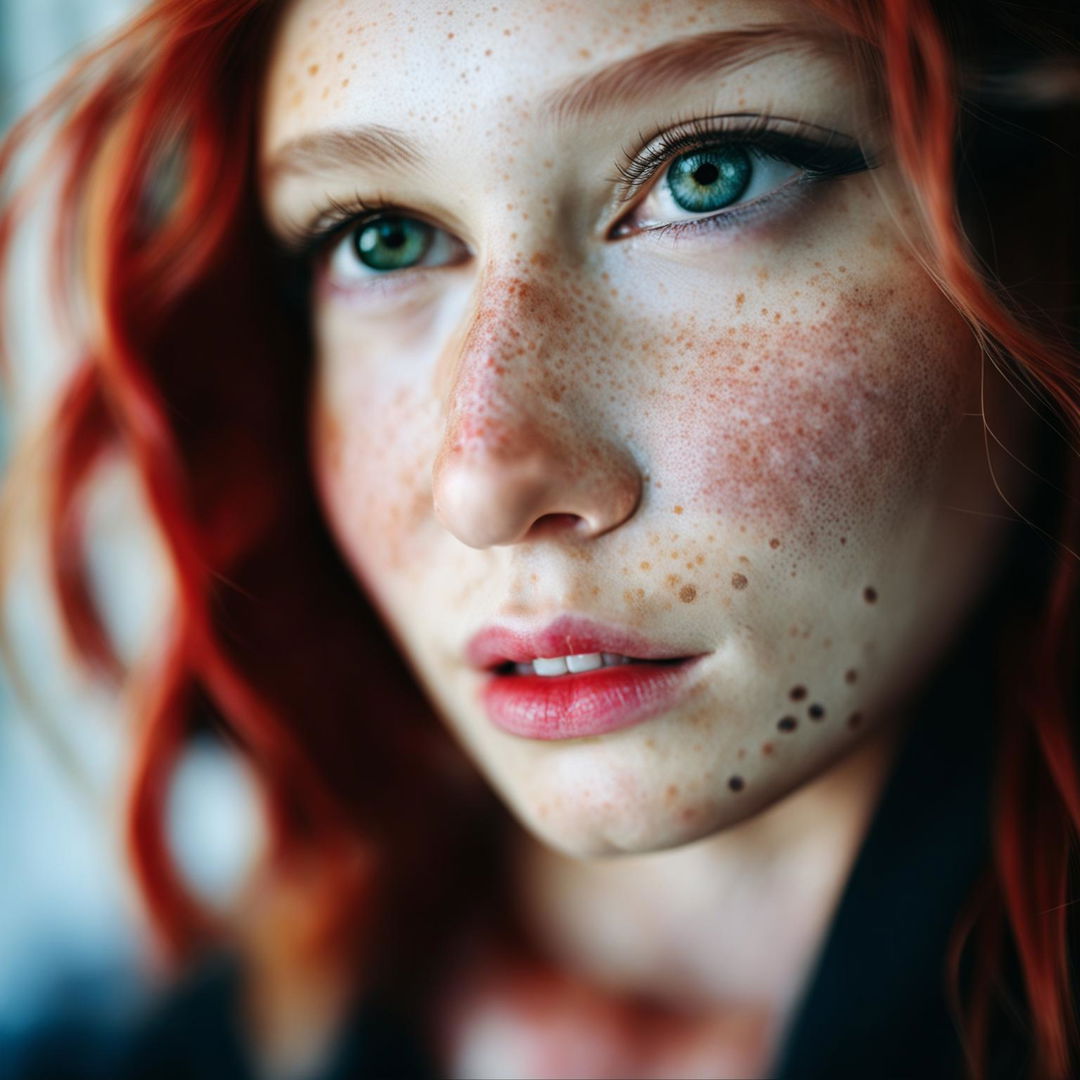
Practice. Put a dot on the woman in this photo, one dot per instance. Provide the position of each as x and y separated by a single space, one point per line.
635 366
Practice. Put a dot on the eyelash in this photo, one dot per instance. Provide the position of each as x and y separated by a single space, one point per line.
821 159
750 130
308 242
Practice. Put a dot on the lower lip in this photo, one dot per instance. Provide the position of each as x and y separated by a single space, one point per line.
589 703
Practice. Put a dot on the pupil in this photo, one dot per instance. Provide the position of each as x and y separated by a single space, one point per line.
706 173
394 237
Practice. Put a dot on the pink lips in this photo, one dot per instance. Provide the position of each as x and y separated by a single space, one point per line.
576 705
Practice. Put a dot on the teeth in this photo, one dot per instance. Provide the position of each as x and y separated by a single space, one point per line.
584 662
554 666
563 665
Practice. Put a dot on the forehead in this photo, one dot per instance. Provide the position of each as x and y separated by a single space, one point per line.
342 62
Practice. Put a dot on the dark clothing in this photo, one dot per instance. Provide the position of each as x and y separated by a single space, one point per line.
876 1003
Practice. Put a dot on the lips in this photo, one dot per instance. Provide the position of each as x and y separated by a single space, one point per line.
568 635
576 705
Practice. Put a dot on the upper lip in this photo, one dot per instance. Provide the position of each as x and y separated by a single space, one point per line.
568 635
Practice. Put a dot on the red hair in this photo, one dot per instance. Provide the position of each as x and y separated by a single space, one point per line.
197 370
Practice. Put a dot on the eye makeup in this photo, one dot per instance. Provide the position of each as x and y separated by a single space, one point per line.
762 141
819 150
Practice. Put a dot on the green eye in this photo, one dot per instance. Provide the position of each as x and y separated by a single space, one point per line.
706 180
392 243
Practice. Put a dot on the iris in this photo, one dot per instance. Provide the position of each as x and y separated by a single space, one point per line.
392 243
710 179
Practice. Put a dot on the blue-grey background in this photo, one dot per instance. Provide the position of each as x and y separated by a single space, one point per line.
73 942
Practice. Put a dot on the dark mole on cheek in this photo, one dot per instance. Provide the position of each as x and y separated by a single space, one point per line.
854 720
870 595
798 693
774 543
736 783
851 676
816 712
738 581
767 748
787 723
687 594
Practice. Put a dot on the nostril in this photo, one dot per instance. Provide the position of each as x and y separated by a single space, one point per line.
555 523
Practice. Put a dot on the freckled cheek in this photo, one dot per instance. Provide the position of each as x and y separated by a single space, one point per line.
372 456
830 422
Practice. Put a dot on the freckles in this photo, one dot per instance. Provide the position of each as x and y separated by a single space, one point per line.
518 349
312 70
822 422
374 477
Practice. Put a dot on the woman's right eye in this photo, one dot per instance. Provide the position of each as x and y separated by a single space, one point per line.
382 245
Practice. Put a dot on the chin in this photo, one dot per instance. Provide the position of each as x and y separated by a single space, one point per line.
591 824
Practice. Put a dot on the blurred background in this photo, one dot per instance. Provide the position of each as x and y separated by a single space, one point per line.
74 956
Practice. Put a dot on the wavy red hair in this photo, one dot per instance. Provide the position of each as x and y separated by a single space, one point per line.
196 369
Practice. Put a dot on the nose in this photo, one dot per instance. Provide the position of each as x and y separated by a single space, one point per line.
522 452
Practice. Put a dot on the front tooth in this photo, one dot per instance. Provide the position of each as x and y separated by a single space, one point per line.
556 665
584 662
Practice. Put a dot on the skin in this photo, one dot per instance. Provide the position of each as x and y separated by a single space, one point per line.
762 442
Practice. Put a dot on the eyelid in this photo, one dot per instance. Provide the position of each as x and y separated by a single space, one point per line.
771 134
820 152
309 240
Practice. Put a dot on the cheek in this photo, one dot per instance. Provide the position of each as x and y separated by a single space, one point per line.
823 422
372 455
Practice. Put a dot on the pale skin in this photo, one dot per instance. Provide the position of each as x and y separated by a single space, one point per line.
762 442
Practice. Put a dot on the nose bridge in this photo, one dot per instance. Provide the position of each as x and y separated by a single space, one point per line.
507 375
516 447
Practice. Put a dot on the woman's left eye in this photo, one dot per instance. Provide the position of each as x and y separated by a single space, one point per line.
705 181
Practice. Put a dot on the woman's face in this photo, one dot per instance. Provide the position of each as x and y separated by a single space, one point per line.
621 350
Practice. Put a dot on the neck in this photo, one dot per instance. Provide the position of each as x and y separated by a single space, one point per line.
736 918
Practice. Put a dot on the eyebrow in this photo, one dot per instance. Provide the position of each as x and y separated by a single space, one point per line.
635 78
675 63
344 148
